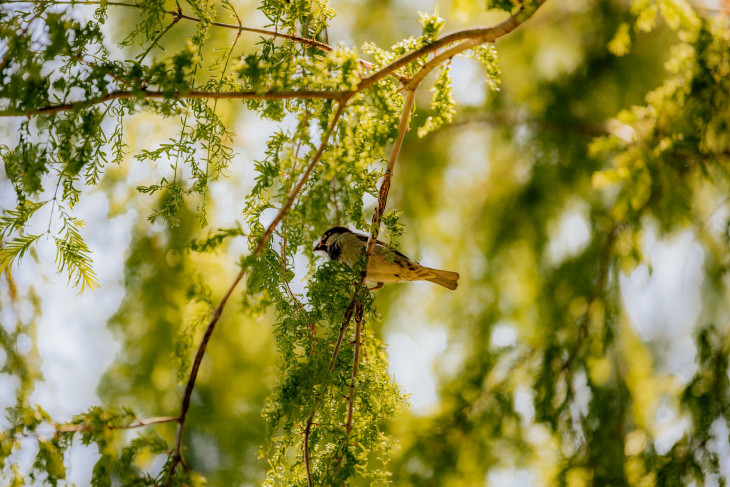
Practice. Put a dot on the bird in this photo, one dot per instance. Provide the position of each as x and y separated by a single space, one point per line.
386 265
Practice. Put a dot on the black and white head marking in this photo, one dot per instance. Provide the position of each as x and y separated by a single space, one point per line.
329 242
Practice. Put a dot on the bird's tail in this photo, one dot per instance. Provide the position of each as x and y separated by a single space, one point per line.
446 279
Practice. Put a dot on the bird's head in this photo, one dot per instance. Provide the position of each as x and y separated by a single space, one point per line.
328 239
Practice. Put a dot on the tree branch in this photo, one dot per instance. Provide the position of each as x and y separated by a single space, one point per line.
232 95
343 327
280 35
385 185
355 366
479 35
69 428
177 456
175 20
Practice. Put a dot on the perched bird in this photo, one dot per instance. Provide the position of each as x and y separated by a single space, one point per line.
386 265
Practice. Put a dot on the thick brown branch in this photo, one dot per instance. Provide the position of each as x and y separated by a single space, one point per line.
479 35
231 95
473 36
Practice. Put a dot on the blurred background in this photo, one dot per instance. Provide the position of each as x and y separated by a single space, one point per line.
504 195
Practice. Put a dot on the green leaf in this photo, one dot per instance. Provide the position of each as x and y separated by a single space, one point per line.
442 103
73 254
14 249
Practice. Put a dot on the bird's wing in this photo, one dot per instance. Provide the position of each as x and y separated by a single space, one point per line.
382 245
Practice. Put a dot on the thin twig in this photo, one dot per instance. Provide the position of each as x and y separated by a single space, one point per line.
343 327
232 95
111 75
307 460
175 20
177 456
289 291
601 280
70 428
215 106
239 27
388 176
355 367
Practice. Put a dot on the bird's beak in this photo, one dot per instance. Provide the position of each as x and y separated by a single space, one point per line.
320 246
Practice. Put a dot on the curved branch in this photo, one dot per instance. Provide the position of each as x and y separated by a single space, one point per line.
479 35
385 186
177 456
